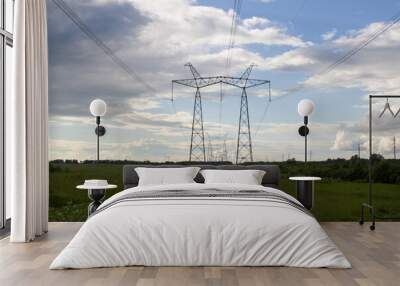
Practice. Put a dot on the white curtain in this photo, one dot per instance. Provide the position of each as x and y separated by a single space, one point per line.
27 155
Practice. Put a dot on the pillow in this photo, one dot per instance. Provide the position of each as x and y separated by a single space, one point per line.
166 176
248 177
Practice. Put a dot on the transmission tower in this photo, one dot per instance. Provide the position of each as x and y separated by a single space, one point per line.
210 151
224 155
197 149
244 151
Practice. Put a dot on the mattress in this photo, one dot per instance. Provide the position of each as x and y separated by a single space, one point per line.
201 225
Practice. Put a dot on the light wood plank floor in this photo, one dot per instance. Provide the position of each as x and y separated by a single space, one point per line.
375 257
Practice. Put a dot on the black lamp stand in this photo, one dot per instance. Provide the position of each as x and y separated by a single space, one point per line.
100 131
304 131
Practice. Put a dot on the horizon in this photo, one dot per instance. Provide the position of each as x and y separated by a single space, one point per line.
290 160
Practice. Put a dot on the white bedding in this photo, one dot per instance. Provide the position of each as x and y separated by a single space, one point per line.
200 231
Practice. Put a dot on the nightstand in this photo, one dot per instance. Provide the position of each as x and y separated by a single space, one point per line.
305 190
96 194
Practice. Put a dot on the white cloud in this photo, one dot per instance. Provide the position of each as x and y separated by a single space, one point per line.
291 60
370 69
170 34
344 141
329 35
256 22
176 25
355 37
143 103
350 134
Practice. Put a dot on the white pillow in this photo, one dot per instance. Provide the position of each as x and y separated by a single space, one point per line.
248 177
166 176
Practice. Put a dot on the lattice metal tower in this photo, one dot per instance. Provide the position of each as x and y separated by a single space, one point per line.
210 151
244 151
197 149
224 153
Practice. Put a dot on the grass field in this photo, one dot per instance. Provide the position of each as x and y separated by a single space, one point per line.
334 200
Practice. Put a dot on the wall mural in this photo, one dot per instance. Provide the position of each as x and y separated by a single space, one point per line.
127 53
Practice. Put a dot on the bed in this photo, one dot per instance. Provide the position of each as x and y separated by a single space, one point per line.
197 224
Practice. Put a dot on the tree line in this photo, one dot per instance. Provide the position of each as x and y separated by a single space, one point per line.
353 169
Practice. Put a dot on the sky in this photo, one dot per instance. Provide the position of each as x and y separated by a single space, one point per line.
289 41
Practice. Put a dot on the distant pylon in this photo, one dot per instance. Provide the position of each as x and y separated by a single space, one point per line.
210 151
224 156
244 151
394 147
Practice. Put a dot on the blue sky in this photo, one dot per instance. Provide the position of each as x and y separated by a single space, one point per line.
290 41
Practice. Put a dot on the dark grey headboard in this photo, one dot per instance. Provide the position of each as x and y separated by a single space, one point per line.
271 177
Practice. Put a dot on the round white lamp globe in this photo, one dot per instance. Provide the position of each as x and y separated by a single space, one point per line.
98 107
305 107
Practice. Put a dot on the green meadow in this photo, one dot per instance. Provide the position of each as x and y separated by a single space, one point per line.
335 199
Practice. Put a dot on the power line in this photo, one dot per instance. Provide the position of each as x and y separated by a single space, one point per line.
236 12
300 8
237 7
233 23
220 110
264 115
393 20
228 55
92 36
363 44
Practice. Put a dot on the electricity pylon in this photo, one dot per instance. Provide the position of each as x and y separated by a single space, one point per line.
210 151
224 155
197 148
244 150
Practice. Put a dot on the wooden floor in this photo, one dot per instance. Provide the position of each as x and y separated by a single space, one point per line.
375 257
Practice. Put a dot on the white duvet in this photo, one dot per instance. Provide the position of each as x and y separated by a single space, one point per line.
194 231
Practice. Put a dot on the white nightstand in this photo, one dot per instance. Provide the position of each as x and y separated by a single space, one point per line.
96 194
